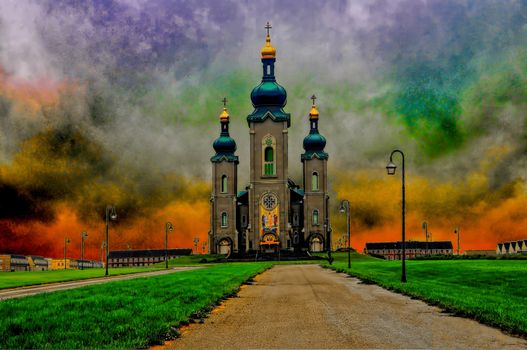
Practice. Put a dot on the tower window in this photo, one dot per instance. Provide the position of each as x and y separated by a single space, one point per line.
224 184
268 155
224 219
269 69
315 217
269 161
314 182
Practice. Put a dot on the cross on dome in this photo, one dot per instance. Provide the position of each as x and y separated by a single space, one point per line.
268 26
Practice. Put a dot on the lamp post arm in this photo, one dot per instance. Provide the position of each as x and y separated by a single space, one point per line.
403 276
107 243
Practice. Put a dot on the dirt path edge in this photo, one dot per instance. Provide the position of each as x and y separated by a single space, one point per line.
445 307
200 315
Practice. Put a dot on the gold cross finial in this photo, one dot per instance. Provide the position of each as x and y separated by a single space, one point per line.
224 102
268 26
313 98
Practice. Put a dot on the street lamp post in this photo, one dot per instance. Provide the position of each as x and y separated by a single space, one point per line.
84 234
66 242
345 208
457 231
168 227
390 168
110 215
425 227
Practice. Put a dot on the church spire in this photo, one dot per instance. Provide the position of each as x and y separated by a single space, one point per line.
268 98
268 51
225 146
314 143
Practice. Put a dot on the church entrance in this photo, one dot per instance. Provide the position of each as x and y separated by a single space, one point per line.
316 244
269 243
224 247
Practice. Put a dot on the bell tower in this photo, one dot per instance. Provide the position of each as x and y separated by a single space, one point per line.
223 237
314 161
268 129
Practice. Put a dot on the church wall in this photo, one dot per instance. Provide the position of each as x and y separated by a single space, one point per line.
315 199
261 184
225 202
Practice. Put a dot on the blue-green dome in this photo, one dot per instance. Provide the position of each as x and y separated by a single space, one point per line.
314 142
269 93
224 145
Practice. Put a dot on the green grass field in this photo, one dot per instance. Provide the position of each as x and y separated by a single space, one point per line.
122 314
19 279
491 291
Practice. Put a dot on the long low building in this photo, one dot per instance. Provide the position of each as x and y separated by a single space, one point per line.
512 247
13 262
122 258
394 250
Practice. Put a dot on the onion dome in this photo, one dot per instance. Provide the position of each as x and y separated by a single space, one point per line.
224 116
268 51
269 93
314 143
225 146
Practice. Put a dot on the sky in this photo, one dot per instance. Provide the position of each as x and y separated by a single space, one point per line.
117 102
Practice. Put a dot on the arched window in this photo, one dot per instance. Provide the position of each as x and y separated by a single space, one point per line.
314 182
315 217
269 161
224 219
224 184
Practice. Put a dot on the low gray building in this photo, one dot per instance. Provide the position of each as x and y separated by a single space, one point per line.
394 250
123 258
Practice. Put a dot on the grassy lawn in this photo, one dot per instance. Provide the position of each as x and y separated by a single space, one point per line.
19 279
122 314
491 291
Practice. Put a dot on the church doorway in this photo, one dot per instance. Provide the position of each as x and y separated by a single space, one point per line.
316 244
224 247
269 243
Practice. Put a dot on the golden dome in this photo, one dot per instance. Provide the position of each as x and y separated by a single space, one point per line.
268 51
313 114
224 116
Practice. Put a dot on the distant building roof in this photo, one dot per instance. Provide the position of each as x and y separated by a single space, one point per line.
409 245
116 254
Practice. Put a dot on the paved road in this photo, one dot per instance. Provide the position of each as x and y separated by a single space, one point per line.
52 287
307 307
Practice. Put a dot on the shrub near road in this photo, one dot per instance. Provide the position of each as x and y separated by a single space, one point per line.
491 291
121 314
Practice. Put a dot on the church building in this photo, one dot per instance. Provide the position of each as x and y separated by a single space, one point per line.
272 213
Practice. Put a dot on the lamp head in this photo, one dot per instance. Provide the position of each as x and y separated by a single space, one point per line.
169 226
113 213
343 206
390 168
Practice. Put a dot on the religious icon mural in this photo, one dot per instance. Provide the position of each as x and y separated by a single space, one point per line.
269 215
